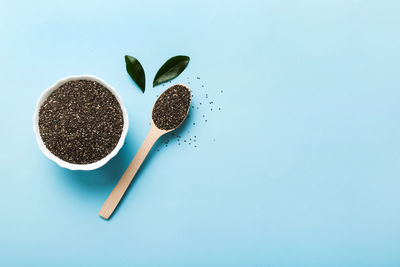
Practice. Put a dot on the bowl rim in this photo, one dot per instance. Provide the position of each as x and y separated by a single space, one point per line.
63 163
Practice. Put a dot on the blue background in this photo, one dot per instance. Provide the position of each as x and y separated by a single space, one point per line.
300 167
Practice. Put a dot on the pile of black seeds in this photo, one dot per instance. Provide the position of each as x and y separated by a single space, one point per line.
81 122
171 107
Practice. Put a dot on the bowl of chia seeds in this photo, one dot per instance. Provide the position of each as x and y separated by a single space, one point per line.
80 122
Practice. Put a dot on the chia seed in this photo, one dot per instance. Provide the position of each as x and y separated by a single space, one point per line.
171 108
81 122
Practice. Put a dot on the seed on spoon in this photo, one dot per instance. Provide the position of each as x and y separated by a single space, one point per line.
171 107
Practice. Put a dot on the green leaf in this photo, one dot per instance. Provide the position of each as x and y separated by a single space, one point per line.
135 70
171 69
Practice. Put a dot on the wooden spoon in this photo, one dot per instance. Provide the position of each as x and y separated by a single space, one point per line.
153 135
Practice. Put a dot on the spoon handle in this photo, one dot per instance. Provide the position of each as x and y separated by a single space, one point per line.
123 184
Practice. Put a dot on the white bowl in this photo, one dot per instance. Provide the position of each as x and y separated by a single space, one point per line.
61 162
